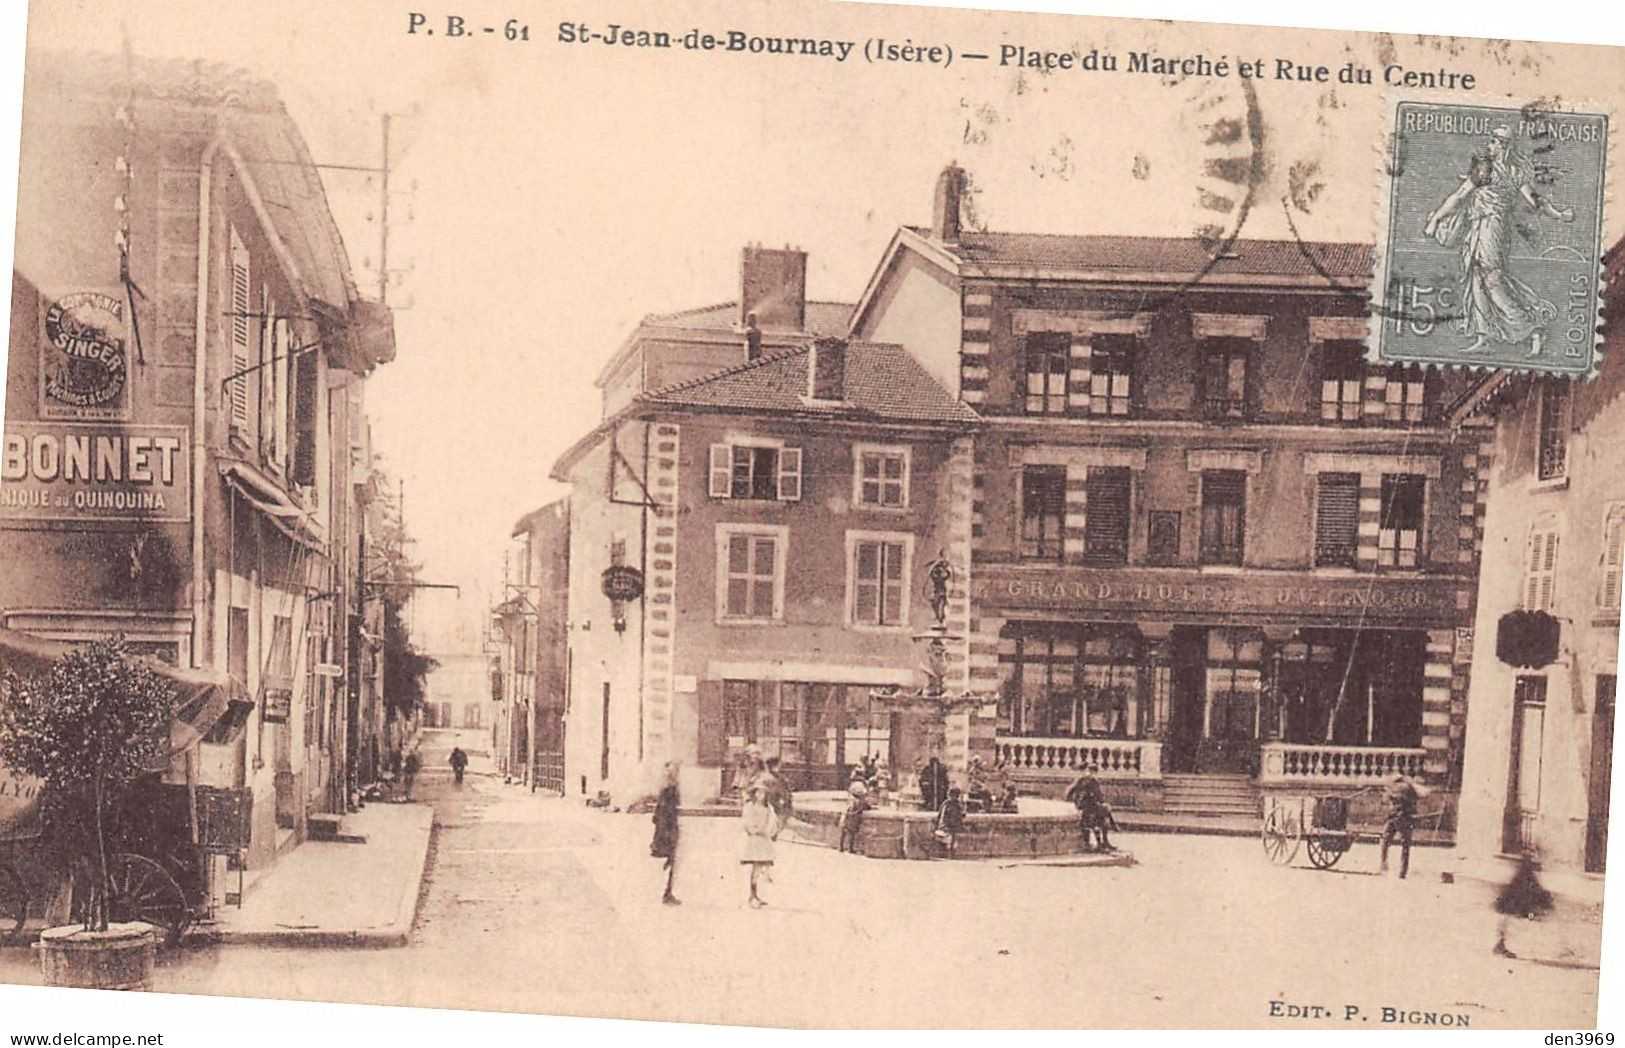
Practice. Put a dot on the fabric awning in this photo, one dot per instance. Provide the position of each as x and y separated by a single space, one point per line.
200 701
253 488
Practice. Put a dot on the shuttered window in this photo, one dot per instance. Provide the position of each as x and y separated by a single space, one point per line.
1399 538
241 305
1540 576
1224 515
306 378
748 471
1337 520
1106 515
879 582
1043 511
1613 554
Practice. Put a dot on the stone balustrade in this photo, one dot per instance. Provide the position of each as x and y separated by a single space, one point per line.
1351 765
1107 758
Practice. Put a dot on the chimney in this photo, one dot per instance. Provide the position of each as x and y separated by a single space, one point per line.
826 370
945 209
773 285
753 338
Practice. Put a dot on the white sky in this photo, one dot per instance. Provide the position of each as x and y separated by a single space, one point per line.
552 195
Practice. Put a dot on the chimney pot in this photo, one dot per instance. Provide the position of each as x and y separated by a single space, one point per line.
946 207
826 369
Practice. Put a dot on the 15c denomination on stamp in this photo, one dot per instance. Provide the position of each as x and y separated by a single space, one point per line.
1493 238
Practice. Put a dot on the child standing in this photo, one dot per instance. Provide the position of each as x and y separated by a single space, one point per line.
758 821
852 818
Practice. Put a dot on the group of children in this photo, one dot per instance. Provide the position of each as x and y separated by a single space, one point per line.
951 803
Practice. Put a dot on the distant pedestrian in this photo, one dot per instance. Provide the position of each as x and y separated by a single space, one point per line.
852 819
664 845
459 761
1403 795
950 821
757 818
1522 897
933 784
409 772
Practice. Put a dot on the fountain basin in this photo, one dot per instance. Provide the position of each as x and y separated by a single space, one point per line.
1041 828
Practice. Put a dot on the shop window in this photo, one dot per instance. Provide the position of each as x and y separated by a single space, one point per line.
1540 571
1043 511
878 570
1106 515
1224 515
1342 375
1314 673
1405 394
1337 520
1043 685
750 471
1111 361
1234 683
1108 696
882 477
806 723
751 572
1399 535
1048 359
1224 378
1554 428
1162 537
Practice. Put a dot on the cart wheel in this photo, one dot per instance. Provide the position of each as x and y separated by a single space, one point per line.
1325 851
1281 837
13 906
142 890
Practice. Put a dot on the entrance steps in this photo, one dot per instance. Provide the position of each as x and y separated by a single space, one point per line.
1209 795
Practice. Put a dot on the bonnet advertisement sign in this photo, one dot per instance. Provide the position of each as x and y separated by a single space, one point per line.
84 371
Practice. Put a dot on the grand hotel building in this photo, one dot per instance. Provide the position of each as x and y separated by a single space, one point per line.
1213 549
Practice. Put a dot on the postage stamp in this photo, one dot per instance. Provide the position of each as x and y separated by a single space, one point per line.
1493 237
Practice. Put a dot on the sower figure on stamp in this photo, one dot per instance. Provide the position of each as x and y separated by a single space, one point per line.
1403 795
1478 218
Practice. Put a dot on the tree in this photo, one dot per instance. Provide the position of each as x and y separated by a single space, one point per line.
392 574
91 727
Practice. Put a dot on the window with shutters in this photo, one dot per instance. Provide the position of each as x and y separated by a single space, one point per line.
1106 515
1540 572
1342 378
881 476
1224 515
1399 535
1337 520
1405 395
750 573
306 378
755 471
1613 555
1224 378
241 327
878 568
1043 511
1554 428
1111 361
1048 358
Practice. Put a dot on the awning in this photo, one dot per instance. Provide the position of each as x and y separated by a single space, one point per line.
200 698
256 490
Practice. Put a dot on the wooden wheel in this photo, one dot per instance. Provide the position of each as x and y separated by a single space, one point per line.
1326 849
13 906
142 890
1281 835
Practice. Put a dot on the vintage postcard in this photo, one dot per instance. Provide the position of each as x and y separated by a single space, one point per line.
797 514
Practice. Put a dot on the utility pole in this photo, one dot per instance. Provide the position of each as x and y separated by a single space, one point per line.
383 222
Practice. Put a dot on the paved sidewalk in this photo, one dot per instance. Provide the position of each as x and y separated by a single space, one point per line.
327 893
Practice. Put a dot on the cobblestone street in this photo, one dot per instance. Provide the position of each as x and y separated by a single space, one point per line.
537 903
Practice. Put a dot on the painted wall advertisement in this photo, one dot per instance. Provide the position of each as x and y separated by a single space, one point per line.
84 367
89 472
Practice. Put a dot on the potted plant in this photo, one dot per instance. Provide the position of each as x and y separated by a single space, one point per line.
89 728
